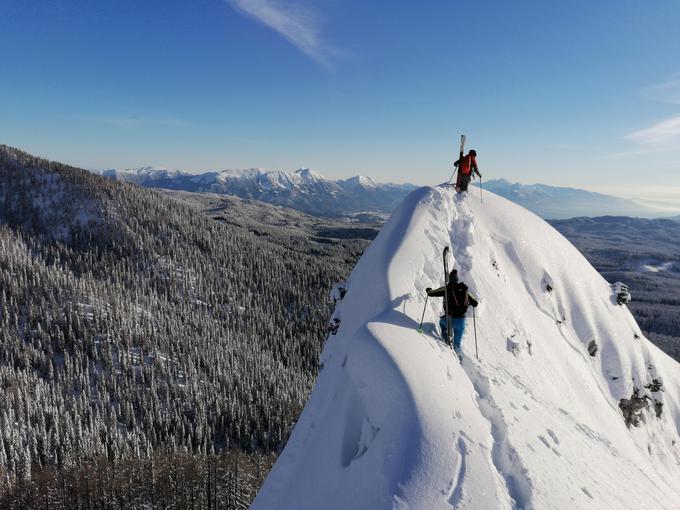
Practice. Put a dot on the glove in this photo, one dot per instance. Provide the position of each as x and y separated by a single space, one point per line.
428 290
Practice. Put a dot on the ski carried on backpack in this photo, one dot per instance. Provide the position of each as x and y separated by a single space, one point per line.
460 158
445 254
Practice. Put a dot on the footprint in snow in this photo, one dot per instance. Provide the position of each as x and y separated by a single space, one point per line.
544 441
431 269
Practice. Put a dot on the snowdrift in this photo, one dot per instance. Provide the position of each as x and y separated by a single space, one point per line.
395 421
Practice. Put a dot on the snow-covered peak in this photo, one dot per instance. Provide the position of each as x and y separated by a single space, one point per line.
395 421
248 173
273 178
154 172
149 170
145 173
360 181
307 175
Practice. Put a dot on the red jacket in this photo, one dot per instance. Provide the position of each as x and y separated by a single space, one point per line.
467 164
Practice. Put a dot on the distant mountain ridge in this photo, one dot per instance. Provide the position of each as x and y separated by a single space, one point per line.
363 198
554 202
303 189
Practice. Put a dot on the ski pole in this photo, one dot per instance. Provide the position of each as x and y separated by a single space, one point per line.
449 340
420 328
474 325
454 173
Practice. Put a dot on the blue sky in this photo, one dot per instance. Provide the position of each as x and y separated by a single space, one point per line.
575 93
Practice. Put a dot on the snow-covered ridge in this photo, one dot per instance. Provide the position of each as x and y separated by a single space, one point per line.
146 172
301 175
395 421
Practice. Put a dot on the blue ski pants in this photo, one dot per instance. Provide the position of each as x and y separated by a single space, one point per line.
458 327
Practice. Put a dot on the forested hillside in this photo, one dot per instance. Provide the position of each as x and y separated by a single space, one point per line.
132 323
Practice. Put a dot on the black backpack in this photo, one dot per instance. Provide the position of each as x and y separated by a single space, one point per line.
458 299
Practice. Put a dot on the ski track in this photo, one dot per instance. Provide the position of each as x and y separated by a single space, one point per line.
457 492
504 457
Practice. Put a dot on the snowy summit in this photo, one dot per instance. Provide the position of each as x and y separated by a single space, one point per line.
568 405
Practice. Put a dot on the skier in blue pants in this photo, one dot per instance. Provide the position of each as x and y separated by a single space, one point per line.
459 299
458 327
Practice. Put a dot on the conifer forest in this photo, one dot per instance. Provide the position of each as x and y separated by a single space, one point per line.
135 330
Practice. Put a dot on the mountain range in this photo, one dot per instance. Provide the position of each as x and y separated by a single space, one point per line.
554 202
363 198
303 189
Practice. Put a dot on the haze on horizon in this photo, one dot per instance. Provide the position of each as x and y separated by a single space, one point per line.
581 94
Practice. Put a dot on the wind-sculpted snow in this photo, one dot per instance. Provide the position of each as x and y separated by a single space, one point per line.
395 421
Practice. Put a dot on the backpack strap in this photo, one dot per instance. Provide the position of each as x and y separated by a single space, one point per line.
453 293
464 289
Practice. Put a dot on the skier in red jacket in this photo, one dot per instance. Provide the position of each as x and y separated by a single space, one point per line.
466 165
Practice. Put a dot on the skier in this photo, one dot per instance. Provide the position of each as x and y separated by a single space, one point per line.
466 165
458 302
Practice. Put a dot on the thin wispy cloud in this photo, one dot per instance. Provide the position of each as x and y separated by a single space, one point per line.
299 24
667 92
664 134
134 122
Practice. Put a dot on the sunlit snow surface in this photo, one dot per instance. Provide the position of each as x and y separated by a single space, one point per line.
395 421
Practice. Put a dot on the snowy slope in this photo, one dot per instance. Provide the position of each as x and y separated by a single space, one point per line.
395 421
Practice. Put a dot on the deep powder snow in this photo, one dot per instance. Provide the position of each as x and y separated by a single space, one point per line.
395 421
